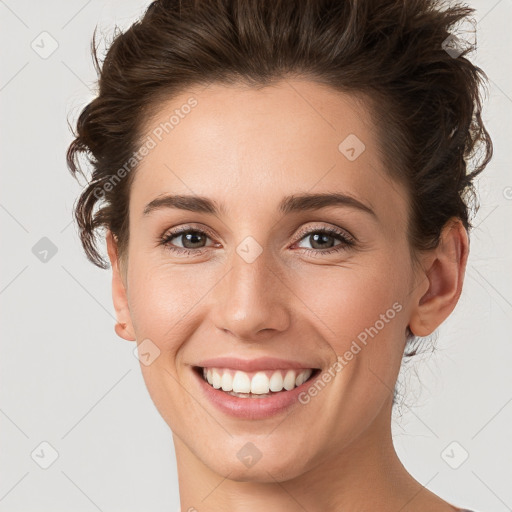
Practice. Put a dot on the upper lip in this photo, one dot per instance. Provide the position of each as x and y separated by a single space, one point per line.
252 365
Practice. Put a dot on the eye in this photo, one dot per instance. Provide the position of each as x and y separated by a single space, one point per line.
191 239
322 240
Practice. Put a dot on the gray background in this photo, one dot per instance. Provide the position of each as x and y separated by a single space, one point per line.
68 380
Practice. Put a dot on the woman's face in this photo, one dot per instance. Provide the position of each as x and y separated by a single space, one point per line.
257 278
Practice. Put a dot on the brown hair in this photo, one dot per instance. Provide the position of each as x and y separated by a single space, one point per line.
425 100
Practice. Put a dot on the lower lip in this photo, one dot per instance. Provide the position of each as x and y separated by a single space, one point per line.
253 408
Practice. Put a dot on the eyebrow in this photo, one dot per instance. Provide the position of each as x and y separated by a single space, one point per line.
289 204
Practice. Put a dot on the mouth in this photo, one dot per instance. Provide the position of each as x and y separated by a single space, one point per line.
257 384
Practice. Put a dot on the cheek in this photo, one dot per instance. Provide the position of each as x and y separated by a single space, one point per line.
352 299
361 314
161 299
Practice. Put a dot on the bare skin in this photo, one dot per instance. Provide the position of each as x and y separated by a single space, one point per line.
247 149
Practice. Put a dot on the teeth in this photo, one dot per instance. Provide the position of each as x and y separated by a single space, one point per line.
289 380
276 382
227 382
241 382
216 380
259 383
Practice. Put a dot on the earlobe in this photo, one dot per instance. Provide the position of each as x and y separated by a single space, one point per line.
124 326
123 332
444 272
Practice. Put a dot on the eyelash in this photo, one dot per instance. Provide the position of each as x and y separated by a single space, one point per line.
347 241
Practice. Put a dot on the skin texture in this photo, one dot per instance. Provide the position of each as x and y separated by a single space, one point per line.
247 149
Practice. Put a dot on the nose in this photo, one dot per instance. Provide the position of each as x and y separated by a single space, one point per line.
252 301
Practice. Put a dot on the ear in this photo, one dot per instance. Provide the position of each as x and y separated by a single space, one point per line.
443 275
124 327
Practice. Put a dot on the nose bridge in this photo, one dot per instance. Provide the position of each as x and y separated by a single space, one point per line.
251 297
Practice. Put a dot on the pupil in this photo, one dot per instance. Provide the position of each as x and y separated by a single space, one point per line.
321 236
193 235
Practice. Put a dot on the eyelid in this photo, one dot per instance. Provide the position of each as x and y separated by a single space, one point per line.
185 228
333 229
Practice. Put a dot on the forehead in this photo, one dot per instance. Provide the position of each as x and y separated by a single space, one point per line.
233 143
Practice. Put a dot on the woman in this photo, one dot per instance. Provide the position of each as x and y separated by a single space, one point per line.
285 191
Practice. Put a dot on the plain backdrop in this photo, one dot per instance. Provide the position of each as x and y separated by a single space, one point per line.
69 382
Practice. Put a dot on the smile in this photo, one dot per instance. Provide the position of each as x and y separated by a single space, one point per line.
257 400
